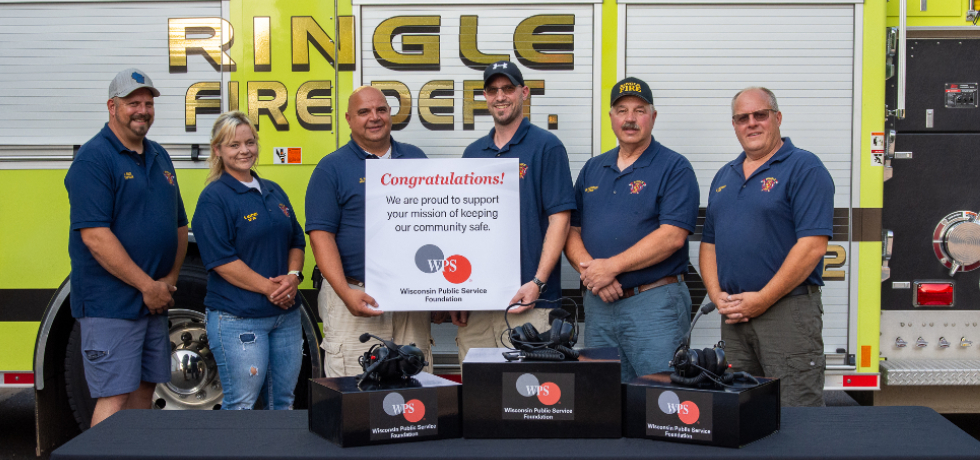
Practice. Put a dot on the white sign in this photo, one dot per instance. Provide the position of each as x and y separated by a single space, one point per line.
442 234
287 156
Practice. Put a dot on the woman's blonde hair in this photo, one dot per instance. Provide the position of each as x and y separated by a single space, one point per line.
223 130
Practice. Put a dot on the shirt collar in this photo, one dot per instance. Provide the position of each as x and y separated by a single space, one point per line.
780 155
238 186
518 137
363 154
118 146
645 159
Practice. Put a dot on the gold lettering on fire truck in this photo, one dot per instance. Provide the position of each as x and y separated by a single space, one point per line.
435 100
469 54
261 44
420 43
314 106
201 98
218 38
399 91
306 31
535 45
836 261
267 98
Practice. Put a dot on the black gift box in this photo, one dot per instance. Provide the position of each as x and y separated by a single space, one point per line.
656 408
542 399
421 408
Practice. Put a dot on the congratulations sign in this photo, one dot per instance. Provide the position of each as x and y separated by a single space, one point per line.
442 234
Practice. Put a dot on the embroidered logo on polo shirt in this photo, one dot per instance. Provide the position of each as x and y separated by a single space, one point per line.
592 189
522 169
768 183
637 186
361 181
128 175
252 216
720 188
284 209
169 176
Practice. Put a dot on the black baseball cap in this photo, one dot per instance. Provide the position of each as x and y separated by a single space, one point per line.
503 68
631 86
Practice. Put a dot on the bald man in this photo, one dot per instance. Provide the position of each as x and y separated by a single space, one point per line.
335 223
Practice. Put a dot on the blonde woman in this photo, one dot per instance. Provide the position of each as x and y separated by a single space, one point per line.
252 247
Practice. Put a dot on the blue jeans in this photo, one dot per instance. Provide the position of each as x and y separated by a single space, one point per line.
256 356
646 328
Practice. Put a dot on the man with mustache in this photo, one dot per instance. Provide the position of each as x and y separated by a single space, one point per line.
635 206
546 201
127 242
335 223
770 214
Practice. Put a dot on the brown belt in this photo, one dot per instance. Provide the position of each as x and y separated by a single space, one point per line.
355 282
627 293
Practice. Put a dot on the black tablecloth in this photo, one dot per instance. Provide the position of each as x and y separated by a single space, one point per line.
817 433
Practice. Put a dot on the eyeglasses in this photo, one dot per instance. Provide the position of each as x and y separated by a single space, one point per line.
507 90
760 116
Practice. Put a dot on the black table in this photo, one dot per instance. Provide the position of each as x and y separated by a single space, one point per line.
817 433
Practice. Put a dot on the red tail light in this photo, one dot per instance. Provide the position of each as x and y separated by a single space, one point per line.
933 294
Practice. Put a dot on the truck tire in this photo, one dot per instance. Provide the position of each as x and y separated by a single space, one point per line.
187 317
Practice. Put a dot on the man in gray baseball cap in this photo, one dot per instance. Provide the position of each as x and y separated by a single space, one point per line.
127 242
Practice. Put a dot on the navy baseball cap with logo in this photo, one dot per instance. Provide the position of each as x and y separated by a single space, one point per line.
631 86
503 68
130 80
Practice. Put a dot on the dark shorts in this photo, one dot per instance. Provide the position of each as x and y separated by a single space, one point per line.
120 353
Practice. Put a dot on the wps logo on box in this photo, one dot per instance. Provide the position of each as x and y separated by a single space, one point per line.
538 396
430 259
403 414
686 411
679 415
394 405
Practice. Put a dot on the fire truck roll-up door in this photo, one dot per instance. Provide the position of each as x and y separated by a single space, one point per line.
696 57
429 61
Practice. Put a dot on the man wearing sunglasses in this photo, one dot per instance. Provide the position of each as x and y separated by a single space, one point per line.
769 217
636 205
546 202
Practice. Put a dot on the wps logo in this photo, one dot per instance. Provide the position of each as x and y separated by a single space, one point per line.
686 411
455 268
395 405
768 183
548 393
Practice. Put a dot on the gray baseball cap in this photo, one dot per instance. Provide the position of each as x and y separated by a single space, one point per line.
130 80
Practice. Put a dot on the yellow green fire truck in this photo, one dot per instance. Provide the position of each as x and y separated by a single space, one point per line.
884 93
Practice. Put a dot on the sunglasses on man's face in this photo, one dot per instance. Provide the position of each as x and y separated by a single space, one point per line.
760 116
492 90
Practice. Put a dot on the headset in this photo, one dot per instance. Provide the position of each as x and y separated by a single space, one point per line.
389 361
554 344
707 367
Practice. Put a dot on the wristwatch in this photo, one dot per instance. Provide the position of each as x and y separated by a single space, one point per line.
298 274
541 284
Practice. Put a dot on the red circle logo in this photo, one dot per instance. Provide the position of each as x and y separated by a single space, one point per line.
688 412
457 269
549 393
414 411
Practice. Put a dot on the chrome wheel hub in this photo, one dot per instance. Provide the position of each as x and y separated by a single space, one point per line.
194 382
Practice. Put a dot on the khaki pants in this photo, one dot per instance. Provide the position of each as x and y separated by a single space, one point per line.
342 332
485 329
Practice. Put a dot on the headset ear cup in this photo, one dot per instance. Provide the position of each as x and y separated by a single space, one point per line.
555 332
530 333
710 361
567 329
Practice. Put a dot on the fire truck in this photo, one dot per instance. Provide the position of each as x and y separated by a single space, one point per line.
885 93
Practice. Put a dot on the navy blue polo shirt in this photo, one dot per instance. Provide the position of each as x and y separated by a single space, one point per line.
546 189
616 209
236 222
754 222
335 199
138 198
